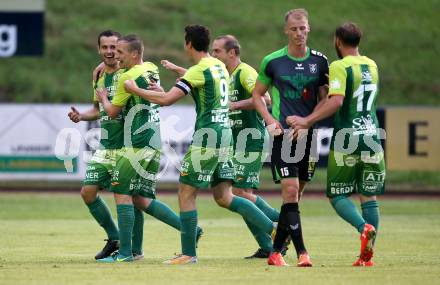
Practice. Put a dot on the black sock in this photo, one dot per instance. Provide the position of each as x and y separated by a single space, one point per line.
282 232
293 222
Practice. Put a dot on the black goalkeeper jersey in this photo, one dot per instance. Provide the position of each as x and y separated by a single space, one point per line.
293 82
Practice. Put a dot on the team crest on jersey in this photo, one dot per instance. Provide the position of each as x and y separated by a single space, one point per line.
313 68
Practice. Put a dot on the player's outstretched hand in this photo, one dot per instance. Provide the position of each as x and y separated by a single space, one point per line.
173 67
169 65
74 115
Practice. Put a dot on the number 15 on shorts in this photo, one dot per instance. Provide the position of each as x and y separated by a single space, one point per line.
284 171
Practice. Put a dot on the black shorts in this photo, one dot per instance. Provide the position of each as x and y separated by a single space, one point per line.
294 159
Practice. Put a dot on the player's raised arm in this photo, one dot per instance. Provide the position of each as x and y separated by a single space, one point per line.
248 104
173 67
328 108
156 96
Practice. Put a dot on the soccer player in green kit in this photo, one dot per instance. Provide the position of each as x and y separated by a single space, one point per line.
297 77
137 163
249 134
208 162
248 145
352 98
100 167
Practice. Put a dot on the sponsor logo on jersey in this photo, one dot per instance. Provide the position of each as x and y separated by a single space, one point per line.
364 126
233 92
299 66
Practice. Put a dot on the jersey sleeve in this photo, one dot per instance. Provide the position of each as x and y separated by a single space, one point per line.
337 78
264 75
121 96
248 77
323 76
193 78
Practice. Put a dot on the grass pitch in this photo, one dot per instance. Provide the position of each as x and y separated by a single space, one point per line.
51 239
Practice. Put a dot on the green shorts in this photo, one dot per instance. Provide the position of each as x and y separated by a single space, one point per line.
247 169
349 173
100 168
206 167
135 172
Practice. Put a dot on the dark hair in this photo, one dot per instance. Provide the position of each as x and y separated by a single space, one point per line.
231 42
108 33
349 33
198 36
134 43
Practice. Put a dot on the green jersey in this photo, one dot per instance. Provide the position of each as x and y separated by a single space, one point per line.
141 116
356 78
241 85
112 129
294 82
208 83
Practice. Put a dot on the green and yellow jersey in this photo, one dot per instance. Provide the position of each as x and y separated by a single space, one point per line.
356 78
142 118
207 82
114 128
241 85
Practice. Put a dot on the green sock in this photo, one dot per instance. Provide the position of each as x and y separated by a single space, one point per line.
125 223
370 213
138 231
268 210
102 215
251 214
188 232
263 239
163 213
348 211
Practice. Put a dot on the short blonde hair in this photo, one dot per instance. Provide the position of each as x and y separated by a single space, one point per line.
296 13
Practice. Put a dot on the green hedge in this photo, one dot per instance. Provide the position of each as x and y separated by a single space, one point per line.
401 35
